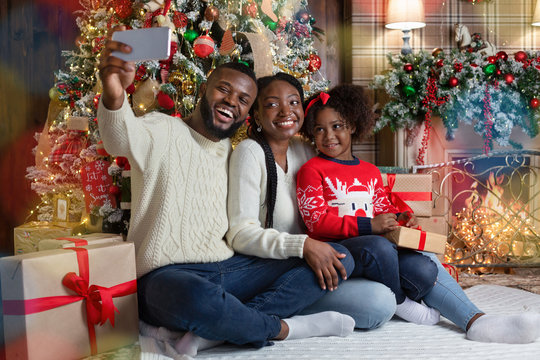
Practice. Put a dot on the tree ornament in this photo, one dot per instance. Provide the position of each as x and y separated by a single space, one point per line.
188 87
266 7
227 43
453 81
114 190
165 100
250 9
180 20
54 93
408 67
245 63
498 72
440 63
509 78
122 8
121 161
272 25
502 55
203 46
408 90
520 56
175 78
302 16
490 69
492 59
458 67
190 35
314 62
211 13
534 103
450 135
130 89
436 52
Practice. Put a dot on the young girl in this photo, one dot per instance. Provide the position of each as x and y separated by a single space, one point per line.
341 197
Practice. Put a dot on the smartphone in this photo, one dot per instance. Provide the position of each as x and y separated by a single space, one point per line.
146 44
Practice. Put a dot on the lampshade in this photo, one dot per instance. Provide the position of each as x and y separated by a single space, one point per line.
405 14
536 16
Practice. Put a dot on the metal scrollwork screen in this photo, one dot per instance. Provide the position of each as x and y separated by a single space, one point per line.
492 208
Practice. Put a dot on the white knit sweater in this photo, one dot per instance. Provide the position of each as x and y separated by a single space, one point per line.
247 202
178 185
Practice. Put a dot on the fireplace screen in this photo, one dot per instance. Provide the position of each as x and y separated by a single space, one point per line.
492 207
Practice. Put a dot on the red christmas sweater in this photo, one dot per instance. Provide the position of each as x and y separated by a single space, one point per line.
338 198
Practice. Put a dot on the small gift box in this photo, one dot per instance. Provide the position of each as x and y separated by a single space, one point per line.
410 192
69 241
434 224
417 239
69 303
27 236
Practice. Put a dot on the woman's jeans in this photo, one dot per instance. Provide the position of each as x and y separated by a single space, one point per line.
240 300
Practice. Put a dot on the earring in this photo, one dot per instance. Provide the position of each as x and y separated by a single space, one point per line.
259 128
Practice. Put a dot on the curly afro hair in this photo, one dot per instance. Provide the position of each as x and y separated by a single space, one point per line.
353 105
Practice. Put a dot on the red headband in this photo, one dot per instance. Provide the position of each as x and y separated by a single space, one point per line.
322 96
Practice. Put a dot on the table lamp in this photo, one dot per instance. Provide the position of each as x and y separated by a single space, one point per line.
405 15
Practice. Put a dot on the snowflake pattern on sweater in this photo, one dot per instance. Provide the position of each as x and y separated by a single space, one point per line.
337 199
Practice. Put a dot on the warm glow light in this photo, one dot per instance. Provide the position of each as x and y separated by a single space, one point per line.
405 14
536 16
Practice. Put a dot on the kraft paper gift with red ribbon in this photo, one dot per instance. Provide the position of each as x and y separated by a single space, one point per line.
82 240
417 239
69 303
410 192
26 237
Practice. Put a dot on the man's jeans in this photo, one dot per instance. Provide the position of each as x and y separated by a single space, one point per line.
240 300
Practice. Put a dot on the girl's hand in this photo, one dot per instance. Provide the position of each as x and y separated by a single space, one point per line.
410 220
383 223
325 262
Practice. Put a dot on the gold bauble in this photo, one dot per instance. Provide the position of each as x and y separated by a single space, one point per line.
175 78
188 87
436 52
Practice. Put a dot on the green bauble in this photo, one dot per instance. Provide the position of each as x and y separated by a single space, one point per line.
53 93
490 69
408 90
272 25
190 35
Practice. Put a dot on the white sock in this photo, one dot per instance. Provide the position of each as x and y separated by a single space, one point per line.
327 323
158 333
511 329
417 313
190 344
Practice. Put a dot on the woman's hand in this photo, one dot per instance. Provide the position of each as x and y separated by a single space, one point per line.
383 223
115 74
325 262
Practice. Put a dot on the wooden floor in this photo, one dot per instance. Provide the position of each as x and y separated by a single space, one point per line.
520 278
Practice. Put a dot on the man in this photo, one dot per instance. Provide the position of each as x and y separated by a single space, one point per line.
188 278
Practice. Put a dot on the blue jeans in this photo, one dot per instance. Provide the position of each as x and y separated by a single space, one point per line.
448 297
240 300
406 272
371 304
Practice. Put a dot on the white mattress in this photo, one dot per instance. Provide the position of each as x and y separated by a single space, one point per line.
400 340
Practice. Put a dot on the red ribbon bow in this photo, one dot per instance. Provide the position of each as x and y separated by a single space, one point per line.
394 197
99 303
322 96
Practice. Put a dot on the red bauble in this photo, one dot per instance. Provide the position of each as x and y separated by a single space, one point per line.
408 67
165 101
122 8
509 78
502 55
453 81
520 56
314 62
250 9
534 103
498 72
211 13
203 46
492 59
440 63
122 161
114 190
96 100
131 88
180 19
177 114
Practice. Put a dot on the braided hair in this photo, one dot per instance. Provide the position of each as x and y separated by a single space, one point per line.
271 169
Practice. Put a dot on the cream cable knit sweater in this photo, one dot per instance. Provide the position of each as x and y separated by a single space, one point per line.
247 207
178 185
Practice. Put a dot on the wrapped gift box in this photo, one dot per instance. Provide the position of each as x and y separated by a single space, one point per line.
58 304
69 241
27 236
434 224
412 189
417 239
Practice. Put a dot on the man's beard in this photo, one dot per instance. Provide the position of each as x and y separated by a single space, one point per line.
208 120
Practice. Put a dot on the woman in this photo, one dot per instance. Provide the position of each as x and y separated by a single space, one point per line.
263 214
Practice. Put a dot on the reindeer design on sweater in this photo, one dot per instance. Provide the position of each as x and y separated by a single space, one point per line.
355 200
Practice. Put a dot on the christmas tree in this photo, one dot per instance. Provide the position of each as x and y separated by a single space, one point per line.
71 164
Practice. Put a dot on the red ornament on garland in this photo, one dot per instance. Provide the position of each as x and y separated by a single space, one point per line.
314 62
440 63
180 19
509 78
122 8
498 72
453 81
520 56
534 103
165 101
203 46
502 55
458 67
408 67
492 59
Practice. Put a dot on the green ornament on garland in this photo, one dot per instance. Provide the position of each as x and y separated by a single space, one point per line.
490 69
190 35
272 25
408 90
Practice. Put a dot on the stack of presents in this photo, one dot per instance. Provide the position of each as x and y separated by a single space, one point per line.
68 296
